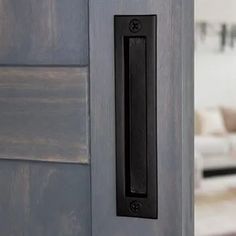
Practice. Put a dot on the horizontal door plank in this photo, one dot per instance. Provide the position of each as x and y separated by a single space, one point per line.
44 114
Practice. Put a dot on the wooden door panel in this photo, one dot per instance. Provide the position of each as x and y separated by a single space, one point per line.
44 150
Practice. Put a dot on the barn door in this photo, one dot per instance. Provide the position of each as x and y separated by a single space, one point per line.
63 67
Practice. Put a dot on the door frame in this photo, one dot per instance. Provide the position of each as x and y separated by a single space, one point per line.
175 96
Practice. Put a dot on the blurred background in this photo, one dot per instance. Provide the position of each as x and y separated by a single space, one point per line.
215 117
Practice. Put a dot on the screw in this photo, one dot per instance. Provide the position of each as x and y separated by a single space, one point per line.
135 206
135 26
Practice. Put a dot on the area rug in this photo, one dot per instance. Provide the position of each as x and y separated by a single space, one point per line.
215 207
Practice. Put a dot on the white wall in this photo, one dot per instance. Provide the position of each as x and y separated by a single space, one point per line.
215 78
215 11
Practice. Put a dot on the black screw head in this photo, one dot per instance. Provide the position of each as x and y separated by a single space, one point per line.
135 26
135 206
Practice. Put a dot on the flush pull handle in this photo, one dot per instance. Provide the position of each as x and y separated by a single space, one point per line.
136 141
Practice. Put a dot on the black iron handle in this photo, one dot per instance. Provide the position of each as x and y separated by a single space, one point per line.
135 57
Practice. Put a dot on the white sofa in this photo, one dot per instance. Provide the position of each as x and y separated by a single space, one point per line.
217 152
215 138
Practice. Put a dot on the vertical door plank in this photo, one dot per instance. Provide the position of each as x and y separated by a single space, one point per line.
44 199
45 32
187 116
174 108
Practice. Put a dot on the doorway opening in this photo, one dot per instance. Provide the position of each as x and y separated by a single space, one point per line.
215 118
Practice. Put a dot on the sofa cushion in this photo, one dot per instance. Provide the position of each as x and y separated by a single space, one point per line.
219 162
212 145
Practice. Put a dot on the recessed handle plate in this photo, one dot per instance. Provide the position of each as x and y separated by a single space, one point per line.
136 139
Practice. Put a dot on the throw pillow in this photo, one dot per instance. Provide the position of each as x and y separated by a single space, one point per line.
229 115
212 122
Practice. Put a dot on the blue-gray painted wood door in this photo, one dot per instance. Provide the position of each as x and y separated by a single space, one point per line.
57 118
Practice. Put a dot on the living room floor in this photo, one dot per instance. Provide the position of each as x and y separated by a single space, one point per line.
215 207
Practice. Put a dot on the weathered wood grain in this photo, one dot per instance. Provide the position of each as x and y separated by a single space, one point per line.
187 117
44 32
174 118
44 114
44 199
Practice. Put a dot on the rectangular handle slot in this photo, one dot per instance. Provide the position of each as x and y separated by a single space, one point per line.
135 116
